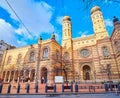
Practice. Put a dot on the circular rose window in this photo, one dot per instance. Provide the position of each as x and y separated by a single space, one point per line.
84 52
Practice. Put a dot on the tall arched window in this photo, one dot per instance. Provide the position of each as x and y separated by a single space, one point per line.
32 56
57 55
19 58
9 59
66 56
105 52
45 53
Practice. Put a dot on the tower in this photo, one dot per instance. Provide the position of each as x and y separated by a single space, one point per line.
98 23
67 47
67 32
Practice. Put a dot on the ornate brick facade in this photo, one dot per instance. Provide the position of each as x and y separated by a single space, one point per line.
94 58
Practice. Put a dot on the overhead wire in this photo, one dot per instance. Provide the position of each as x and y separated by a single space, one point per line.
18 17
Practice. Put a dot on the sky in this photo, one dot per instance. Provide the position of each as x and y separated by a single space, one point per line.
43 17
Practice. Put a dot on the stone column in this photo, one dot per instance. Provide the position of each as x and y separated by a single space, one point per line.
35 76
5 76
51 75
9 76
23 75
1 74
81 75
14 76
29 74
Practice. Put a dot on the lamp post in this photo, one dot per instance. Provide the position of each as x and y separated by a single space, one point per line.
38 63
95 75
108 71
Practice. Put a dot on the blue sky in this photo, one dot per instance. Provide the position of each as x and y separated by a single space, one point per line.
42 17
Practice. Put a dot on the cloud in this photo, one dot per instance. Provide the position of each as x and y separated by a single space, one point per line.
83 33
59 19
35 15
7 33
108 23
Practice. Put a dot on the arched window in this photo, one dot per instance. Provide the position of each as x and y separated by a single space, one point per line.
32 56
9 59
45 53
66 56
105 52
57 55
19 58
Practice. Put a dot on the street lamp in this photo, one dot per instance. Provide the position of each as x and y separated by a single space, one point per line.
38 63
95 75
108 71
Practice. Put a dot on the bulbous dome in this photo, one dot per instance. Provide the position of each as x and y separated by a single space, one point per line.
66 18
94 9
115 19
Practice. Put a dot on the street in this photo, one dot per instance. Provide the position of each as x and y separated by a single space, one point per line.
63 96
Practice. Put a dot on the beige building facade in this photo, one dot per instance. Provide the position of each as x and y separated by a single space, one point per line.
95 58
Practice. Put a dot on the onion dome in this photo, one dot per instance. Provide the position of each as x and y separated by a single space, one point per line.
115 19
66 18
94 9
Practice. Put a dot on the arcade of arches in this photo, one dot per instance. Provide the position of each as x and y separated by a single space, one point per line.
21 76
24 76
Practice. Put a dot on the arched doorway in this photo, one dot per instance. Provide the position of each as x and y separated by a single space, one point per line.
86 72
43 75
16 76
7 76
32 76
12 75
26 76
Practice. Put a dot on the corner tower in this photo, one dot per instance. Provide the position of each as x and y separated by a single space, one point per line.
98 23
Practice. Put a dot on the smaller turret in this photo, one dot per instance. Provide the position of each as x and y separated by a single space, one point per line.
116 22
40 40
53 36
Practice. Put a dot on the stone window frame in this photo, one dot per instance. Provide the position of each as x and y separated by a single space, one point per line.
32 56
107 50
66 56
19 59
57 55
9 59
43 56
82 55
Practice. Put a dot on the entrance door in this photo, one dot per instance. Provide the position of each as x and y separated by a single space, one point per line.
86 72
44 75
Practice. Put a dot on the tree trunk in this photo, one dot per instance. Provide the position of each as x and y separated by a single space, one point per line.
65 76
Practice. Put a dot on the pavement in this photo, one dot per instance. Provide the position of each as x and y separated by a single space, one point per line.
107 95
41 90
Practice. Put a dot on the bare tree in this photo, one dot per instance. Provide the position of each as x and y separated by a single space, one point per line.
65 67
106 70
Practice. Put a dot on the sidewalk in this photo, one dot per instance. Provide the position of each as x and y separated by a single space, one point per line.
83 88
